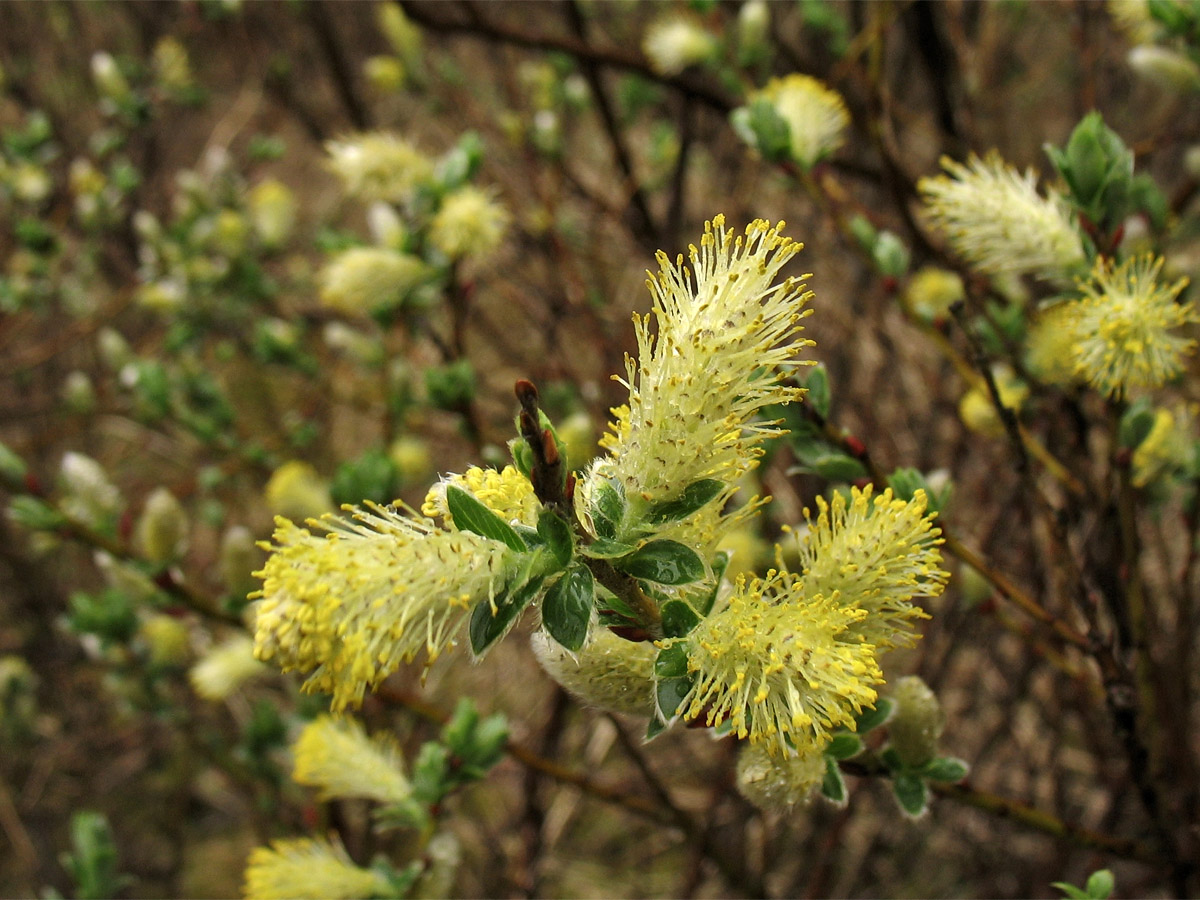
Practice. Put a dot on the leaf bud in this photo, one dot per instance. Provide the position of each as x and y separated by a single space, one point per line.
918 723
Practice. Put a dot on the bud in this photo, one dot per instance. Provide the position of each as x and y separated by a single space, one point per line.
386 227
1167 69
90 496
469 223
230 231
366 279
161 531
578 433
238 560
124 579
918 723
796 117
12 467
18 697
272 212
777 782
403 35
979 413
385 73
890 255
109 80
30 183
295 491
931 292
164 295
226 667
166 640
673 44
443 855
609 672
1191 161
77 392
753 29
348 340
171 65
412 458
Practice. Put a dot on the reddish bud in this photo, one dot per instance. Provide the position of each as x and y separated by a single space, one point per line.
526 391
632 633
855 447
550 448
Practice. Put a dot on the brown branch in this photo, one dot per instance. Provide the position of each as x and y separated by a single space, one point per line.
688 83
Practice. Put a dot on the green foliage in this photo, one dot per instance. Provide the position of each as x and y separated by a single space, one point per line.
568 605
1098 169
92 860
110 614
1100 885
471 515
451 386
663 562
690 500
373 476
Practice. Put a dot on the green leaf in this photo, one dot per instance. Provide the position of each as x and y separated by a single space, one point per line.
522 456
663 562
720 562
691 499
604 548
945 768
656 727
556 535
487 627
678 619
833 785
818 394
672 680
607 508
1100 884
844 746
669 693
1071 891
911 794
838 467
471 515
891 759
874 716
567 607
671 662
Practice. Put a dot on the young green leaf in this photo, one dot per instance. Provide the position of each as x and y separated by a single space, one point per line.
1074 893
691 499
719 563
945 768
663 562
844 746
471 515
607 508
875 716
833 785
556 535
669 693
911 793
1100 884
567 607
656 727
678 619
671 662
487 627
